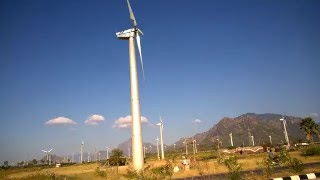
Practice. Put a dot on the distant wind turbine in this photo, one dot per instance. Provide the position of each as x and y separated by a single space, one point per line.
81 151
285 130
252 138
47 153
270 138
231 140
107 153
160 124
130 34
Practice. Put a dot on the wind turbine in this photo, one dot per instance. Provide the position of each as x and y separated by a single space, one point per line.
160 124
47 153
186 145
194 146
285 130
252 138
231 140
81 150
107 153
130 34
270 138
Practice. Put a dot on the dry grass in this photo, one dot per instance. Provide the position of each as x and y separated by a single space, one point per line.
87 171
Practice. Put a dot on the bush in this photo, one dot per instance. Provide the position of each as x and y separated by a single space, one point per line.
296 165
311 151
100 173
160 172
201 166
267 166
234 168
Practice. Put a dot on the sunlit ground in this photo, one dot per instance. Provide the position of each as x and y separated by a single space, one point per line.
210 166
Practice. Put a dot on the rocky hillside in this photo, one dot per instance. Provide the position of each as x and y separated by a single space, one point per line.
261 126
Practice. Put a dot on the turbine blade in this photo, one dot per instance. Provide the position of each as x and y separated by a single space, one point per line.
139 48
50 150
132 15
44 151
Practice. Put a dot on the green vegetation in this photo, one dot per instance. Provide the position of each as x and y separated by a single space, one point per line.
116 158
149 173
234 168
296 165
312 150
309 126
100 173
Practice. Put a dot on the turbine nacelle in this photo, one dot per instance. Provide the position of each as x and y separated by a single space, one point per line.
126 34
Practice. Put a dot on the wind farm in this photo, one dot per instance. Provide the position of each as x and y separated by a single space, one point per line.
236 84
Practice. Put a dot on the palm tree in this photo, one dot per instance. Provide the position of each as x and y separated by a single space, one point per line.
309 127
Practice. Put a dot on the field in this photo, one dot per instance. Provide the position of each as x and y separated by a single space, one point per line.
206 164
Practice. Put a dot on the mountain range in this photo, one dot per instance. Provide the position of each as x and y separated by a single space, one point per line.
260 126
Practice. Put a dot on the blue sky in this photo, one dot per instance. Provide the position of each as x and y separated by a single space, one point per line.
203 60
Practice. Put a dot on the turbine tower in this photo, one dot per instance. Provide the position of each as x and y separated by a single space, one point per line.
81 151
107 153
130 34
47 153
158 148
231 139
285 130
160 124
252 138
270 138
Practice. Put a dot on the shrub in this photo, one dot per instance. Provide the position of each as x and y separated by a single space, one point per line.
267 166
296 165
160 172
201 166
311 151
234 168
100 173
284 156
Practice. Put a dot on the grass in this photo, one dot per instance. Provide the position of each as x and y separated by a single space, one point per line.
207 165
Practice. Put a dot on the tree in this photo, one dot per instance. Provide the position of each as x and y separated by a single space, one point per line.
309 126
115 158
34 162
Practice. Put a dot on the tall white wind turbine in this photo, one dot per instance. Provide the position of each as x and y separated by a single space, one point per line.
47 153
285 131
160 124
252 138
130 34
270 138
107 153
231 140
81 151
